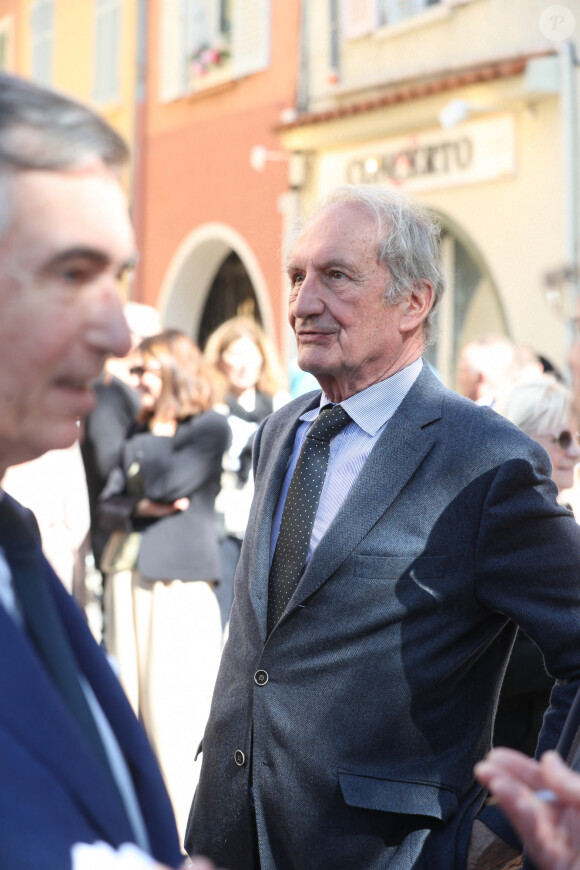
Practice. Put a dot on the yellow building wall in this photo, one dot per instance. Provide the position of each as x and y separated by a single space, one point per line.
74 54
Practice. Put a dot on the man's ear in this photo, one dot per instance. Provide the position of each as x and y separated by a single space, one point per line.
417 306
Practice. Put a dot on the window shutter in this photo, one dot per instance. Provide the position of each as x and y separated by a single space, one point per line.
107 51
359 17
250 37
41 26
172 67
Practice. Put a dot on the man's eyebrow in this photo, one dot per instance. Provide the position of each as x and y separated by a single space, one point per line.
337 263
95 255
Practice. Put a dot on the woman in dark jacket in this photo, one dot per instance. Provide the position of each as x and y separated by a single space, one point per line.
163 620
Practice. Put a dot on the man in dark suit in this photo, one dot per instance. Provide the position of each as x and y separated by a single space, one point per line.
76 766
356 695
542 798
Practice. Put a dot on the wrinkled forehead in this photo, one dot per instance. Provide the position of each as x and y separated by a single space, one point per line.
339 222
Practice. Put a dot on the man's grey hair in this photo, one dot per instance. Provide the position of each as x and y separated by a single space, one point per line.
408 241
44 130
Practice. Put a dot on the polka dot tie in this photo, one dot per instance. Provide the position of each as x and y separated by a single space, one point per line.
300 510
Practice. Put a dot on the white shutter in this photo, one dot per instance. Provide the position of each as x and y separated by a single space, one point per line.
250 36
41 27
172 66
107 51
359 17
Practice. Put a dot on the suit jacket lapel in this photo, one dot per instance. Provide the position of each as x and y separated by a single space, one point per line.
147 778
38 718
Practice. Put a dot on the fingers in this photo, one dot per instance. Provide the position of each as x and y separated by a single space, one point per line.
181 504
558 777
513 766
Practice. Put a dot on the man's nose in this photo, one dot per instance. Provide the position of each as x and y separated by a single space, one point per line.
308 299
107 328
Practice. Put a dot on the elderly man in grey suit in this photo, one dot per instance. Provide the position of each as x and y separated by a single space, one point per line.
360 680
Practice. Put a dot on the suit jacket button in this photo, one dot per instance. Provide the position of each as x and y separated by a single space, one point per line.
261 678
239 757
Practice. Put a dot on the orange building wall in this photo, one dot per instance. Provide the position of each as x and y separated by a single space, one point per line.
198 161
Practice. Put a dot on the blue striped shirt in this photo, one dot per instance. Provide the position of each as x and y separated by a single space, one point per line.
370 411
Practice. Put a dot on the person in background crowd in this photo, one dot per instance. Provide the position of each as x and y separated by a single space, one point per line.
540 406
376 605
53 486
542 798
249 386
76 766
106 427
486 364
167 636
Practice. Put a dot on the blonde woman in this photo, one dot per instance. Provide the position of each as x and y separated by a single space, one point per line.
541 407
249 385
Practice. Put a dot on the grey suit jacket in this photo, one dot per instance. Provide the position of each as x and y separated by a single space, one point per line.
350 733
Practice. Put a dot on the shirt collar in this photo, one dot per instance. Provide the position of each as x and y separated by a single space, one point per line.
371 408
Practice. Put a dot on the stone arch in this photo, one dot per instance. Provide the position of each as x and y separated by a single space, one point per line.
192 270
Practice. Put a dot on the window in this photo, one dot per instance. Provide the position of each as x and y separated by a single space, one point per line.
208 39
361 17
393 11
41 40
107 51
206 42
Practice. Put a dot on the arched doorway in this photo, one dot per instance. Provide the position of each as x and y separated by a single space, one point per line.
231 294
213 275
471 305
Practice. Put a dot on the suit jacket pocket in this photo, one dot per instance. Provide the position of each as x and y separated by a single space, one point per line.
367 566
406 797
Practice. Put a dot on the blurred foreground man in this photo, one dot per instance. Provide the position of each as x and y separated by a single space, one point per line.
360 680
75 764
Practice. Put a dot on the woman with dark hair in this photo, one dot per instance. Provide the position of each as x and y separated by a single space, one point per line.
163 620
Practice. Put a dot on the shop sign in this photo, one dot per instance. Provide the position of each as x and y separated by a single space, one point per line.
478 151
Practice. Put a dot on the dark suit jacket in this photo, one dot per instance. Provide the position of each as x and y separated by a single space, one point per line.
524 698
183 545
367 707
53 791
105 431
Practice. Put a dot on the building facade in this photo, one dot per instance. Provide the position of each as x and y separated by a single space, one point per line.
221 75
471 105
241 112
86 48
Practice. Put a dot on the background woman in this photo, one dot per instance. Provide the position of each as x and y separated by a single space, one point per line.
165 489
540 407
249 385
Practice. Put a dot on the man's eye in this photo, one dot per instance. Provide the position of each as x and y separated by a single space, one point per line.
298 278
75 276
76 273
337 274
